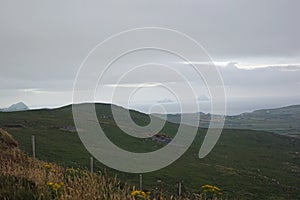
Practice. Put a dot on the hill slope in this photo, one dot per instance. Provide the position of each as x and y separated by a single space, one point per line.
245 164
23 177
285 120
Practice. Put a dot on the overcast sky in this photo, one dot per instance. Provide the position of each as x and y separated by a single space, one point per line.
254 44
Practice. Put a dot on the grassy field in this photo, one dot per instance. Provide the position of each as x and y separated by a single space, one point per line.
245 164
25 178
283 120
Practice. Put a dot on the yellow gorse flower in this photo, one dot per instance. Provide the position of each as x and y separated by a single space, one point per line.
54 171
55 186
211 189
139 193
50 183
48 166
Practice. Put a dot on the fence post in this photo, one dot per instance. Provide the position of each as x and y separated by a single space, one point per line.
141 182
179 188
33 145
92 164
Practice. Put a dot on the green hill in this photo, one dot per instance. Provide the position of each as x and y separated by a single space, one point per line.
283 120
245 164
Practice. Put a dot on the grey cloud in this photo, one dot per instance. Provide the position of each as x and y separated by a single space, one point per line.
203 98
272 75
272 81
165 101
42 43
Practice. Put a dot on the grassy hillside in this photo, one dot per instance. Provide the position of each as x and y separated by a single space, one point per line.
279 120
25 178
245 164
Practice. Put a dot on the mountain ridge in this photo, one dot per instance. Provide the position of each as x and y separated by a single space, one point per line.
20 106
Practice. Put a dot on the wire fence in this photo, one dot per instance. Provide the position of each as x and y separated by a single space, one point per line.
91 168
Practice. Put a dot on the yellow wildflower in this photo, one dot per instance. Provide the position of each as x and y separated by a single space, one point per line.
56 187
211 189
54 171
141 194
50 183
48 166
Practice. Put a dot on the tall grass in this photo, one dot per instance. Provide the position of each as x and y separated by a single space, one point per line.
23 177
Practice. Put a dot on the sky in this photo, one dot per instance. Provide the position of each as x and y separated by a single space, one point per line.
255 46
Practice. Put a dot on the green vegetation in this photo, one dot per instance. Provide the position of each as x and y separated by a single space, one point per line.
279 120
245 164
22 177
26 178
